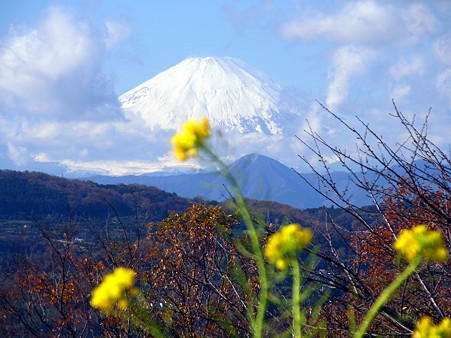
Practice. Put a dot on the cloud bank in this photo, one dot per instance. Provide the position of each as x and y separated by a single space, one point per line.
55 69
364 22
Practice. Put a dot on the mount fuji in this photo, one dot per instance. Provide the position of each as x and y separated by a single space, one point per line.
248 112
229 93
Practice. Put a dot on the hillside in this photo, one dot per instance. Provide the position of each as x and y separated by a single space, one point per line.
36 206
38 194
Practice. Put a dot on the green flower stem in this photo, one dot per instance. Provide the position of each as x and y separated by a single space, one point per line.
296 299
385 296
141 318
258 321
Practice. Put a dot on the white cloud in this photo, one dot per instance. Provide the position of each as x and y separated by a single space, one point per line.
400 92
364 22
54 69
111 167
82 144
42 157
419 22
18 154
348 61
443 85
243 16
403 67
442 49
43 131
116 32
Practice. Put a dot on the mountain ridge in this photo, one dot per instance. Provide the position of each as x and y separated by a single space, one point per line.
259 177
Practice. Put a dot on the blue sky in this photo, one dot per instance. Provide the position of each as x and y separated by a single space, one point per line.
63 63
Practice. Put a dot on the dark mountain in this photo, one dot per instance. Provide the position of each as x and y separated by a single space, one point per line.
36 206
38 194
259 177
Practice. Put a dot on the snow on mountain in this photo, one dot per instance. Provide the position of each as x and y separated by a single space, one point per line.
227 92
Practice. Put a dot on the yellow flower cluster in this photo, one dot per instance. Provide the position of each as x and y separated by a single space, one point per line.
112 290
426 329
419 241
283 246
190 138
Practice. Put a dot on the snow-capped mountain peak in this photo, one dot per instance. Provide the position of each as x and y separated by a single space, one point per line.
225 90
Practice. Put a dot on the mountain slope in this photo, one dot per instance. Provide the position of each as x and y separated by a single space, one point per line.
39 194
228 93
259 177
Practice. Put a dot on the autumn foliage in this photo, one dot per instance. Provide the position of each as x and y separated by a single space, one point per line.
427 293
185 266
191 280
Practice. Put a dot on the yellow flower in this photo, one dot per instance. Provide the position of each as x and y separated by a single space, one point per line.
112 290
190 138
426 329
419 241
283 246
